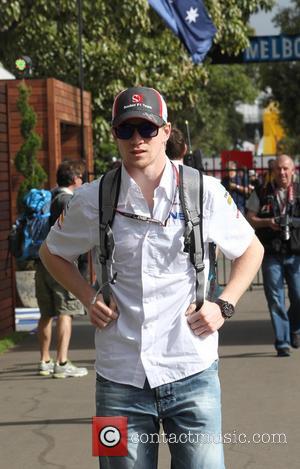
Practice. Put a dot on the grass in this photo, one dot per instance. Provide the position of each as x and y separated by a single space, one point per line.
12 340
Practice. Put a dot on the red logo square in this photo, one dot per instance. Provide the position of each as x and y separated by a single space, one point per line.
137 98
110 436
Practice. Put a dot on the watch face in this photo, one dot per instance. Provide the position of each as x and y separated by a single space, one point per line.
227 309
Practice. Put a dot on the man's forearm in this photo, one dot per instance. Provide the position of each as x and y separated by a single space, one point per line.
258 222
67 274
243 270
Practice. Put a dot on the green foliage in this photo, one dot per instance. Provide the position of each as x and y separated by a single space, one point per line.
12 340
230 18
26 159
284 79
216 125
125 43
109 154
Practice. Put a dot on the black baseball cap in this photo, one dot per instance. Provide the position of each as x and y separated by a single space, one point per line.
146 103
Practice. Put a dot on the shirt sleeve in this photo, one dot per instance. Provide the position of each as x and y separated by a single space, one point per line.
226 226
76 231
58 205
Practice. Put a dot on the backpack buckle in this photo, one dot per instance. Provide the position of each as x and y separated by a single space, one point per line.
103 227
195 221
199 267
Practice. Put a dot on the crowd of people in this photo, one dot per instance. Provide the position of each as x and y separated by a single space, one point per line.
242 181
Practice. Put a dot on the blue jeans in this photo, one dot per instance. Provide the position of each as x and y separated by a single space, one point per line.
276 268
190 412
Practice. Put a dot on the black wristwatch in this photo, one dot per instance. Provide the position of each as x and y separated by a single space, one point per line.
227 309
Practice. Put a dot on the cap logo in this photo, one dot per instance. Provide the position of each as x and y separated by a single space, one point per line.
137 98
139 102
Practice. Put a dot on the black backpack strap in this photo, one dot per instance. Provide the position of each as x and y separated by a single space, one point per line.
191 198
109 188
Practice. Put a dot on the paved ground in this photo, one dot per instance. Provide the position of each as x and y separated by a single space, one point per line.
45 423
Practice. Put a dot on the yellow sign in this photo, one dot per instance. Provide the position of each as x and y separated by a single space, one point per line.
273 131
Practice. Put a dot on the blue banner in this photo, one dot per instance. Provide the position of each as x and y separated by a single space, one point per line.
280 48
273 49
188 19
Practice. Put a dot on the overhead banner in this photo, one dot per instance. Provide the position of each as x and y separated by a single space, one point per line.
282 48
273 49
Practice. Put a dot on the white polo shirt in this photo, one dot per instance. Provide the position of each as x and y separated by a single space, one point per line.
155 279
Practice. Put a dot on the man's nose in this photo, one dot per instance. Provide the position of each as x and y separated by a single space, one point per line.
136 137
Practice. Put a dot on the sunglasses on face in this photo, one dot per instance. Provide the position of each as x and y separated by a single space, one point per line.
145 129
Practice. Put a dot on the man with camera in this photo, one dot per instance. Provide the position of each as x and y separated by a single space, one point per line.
274 211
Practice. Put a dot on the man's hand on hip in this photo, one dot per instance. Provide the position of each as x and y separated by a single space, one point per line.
205 321
102 315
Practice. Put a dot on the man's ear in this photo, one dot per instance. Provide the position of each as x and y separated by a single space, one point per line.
184 152
167 130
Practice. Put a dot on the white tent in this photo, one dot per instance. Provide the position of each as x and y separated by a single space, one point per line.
5 75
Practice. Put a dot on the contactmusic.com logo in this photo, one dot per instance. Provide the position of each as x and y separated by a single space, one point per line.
110 436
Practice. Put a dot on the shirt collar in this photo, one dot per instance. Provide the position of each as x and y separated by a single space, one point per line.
167 180
166 185
66 190
177 163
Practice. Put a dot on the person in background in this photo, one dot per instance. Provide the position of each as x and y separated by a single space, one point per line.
176 147
177 151
234 184
54 300
253 181
157 354
268 176
268 207
197 160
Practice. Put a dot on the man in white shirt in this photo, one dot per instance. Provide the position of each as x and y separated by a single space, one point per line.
156 355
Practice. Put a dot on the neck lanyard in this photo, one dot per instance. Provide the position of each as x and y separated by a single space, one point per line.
283 202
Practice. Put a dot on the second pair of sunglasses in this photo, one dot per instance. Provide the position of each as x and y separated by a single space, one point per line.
145 129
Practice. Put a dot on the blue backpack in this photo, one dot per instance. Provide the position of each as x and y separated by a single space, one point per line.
32 226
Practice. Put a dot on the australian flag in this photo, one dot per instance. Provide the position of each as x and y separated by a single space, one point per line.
189 20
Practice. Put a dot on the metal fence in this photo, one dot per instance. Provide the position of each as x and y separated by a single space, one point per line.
223 272
244 173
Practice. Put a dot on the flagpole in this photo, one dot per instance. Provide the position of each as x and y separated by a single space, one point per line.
188 136
81 79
